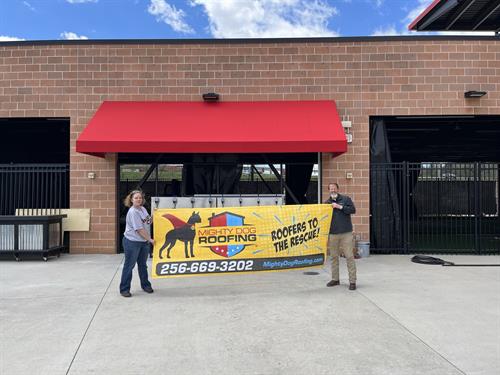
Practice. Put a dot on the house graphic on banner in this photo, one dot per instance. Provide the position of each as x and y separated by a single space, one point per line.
227 219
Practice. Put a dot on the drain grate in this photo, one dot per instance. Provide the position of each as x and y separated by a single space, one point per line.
311 273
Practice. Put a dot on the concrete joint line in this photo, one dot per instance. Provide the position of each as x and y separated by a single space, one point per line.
93 316
411 333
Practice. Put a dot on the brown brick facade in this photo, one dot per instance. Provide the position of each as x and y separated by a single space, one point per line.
365 77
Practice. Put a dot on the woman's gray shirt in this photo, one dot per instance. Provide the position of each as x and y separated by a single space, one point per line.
137 218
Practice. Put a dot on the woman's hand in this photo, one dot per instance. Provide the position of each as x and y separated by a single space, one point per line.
152 241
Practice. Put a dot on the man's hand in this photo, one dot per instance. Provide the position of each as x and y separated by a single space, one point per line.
337 206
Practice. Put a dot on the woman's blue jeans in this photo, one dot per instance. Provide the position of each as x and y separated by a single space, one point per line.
135 252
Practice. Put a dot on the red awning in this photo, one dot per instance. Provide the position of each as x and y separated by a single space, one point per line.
220 127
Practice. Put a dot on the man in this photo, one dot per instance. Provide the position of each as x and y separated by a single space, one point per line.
340 239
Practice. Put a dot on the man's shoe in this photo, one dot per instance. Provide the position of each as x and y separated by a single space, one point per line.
352 286
126 294
333 283
148 289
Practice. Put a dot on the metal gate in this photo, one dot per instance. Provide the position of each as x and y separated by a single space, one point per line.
33 186
435 208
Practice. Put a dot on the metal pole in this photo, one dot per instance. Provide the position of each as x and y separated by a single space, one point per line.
320 178
476 207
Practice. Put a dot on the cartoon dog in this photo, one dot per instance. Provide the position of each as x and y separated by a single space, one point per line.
182 231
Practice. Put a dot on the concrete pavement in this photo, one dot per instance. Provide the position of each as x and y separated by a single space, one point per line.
66 316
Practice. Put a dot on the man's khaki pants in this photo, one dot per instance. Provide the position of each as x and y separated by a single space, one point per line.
342 244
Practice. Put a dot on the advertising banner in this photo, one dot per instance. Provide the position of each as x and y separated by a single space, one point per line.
239 239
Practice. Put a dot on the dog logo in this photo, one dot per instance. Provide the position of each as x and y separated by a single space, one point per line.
182 231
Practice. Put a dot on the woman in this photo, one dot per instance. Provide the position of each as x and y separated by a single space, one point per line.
136 242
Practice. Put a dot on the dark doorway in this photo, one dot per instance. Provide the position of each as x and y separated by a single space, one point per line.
434 184
34 140
34 164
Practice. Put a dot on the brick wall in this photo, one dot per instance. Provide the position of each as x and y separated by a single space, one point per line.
365 77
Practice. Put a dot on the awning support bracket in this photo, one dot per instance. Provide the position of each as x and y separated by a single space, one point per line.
148 173
262 178
280 178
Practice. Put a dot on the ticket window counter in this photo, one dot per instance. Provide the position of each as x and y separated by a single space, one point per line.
296 177
176 185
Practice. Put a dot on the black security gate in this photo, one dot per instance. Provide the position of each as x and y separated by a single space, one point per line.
435 207
33 186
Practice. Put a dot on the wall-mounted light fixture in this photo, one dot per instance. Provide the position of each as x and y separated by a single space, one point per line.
474 94
91 175
347 125
210 97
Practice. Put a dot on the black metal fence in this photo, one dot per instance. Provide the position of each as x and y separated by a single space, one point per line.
435 208
33 186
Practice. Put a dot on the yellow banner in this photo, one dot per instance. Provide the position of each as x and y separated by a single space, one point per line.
239 239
